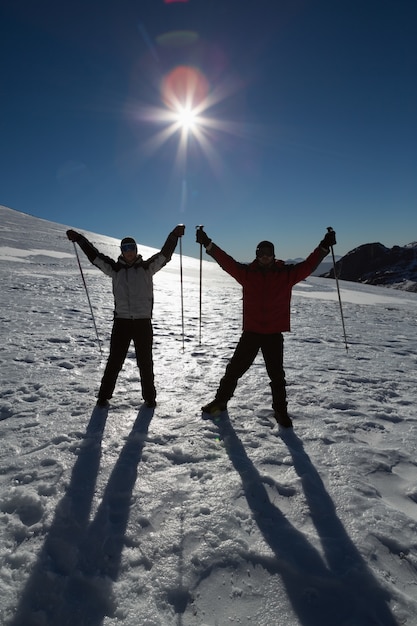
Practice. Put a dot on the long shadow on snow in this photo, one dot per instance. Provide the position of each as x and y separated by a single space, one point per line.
323 592
72 579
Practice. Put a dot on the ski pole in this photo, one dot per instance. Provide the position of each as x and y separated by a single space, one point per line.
330 230
88 297
201 284
182 296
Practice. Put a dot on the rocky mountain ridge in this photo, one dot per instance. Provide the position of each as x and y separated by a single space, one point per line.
375 264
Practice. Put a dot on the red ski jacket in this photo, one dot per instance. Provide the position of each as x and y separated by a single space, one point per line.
267 291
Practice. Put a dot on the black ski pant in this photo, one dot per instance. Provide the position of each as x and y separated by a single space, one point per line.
123 332
272 347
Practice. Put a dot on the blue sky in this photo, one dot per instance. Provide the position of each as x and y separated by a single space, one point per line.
307 118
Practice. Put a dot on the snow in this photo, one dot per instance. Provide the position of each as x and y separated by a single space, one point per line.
157 517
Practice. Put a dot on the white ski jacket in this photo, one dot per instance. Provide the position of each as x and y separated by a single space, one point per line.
132 284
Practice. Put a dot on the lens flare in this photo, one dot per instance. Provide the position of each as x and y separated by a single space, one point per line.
187 97
177 39
184 90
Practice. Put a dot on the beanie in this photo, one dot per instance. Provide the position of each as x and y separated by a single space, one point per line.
127 240
265 245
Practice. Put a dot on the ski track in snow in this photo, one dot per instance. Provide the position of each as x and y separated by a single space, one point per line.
157 517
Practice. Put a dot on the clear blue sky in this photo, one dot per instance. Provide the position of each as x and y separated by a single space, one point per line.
311 119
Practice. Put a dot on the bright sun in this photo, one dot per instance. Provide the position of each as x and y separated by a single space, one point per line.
187 118
187 97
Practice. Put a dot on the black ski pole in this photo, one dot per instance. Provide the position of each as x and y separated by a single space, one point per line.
201 286
182 296
330 230
88 297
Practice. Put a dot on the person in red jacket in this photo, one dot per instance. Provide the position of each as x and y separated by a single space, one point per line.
267 285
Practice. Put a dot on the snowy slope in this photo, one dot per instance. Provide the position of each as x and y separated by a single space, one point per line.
154 518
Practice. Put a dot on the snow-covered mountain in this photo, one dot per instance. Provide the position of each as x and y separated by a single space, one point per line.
144 517
375 264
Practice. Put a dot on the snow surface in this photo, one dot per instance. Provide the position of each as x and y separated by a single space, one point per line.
156 517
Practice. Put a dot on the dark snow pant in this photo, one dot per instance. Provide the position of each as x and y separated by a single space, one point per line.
272 347
123 332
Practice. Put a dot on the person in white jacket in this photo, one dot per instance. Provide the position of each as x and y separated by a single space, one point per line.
133 303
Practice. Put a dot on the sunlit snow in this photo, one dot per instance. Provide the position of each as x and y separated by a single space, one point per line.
160 518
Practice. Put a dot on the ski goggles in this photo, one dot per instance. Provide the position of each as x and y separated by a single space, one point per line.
128 247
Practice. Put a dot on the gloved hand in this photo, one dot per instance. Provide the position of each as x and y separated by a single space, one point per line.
202 237
179 230
73 235
328 240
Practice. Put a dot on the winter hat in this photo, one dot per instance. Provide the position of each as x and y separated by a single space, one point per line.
265 247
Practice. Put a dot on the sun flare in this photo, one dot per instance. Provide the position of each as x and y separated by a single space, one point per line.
187 118
187 97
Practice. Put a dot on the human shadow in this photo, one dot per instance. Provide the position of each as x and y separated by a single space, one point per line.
323 591
71 583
